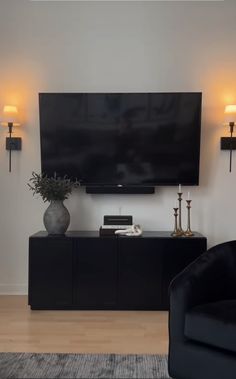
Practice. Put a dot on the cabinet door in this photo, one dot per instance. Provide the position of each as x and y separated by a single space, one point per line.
50 273
96 273
178 253
139 273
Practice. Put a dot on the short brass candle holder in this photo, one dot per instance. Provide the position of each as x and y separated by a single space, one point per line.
180 230
188 232
176 230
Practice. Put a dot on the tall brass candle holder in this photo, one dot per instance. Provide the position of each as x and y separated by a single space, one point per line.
188 232
180 230
176 230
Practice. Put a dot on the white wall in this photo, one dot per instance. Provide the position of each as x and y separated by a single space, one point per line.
114 46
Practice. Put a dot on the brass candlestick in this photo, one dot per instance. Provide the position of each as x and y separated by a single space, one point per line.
180 230
188 232
176 230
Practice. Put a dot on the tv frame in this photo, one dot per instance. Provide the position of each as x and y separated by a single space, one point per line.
100 188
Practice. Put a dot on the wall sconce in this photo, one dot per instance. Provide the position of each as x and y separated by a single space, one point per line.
10 119
229 143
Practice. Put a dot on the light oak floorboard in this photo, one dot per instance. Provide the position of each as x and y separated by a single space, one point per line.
118 332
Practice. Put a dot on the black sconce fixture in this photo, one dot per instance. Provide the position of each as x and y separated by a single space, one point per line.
10 119
229 143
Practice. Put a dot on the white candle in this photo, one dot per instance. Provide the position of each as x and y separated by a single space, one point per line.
188 195
180 188
175 204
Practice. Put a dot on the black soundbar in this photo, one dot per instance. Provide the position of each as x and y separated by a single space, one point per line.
146 190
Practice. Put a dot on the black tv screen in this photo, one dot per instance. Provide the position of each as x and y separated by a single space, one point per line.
136 139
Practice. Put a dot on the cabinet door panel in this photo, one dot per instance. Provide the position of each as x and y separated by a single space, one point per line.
177 254
50 272
139 273
96 273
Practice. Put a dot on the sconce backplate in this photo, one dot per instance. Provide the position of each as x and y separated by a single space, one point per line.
227 143
13 143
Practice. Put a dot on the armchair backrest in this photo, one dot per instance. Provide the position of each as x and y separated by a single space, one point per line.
210 278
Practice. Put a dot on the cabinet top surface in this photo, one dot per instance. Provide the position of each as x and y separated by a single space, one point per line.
95 234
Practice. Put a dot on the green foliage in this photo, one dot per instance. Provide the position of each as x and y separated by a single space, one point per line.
51 188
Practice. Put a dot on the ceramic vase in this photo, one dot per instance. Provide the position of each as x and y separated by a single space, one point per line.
56 218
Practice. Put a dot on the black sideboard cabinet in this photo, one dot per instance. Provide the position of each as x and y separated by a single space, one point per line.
82 270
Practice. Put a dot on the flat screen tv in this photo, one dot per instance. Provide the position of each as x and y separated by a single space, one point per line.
121 139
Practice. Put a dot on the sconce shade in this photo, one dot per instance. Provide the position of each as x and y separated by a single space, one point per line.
230 113
10 114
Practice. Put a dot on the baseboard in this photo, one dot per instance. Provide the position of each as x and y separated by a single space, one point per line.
13 289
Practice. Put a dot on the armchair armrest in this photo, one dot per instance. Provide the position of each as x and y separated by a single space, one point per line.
210 278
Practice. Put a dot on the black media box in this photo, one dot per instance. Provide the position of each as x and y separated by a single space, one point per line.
113 223
118 220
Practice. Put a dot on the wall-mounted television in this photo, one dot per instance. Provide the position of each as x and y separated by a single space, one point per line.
121 139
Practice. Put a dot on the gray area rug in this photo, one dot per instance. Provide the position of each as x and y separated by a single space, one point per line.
44 366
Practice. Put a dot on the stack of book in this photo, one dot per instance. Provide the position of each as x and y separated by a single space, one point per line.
113 223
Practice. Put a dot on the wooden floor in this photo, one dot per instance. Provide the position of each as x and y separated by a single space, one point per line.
122 332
